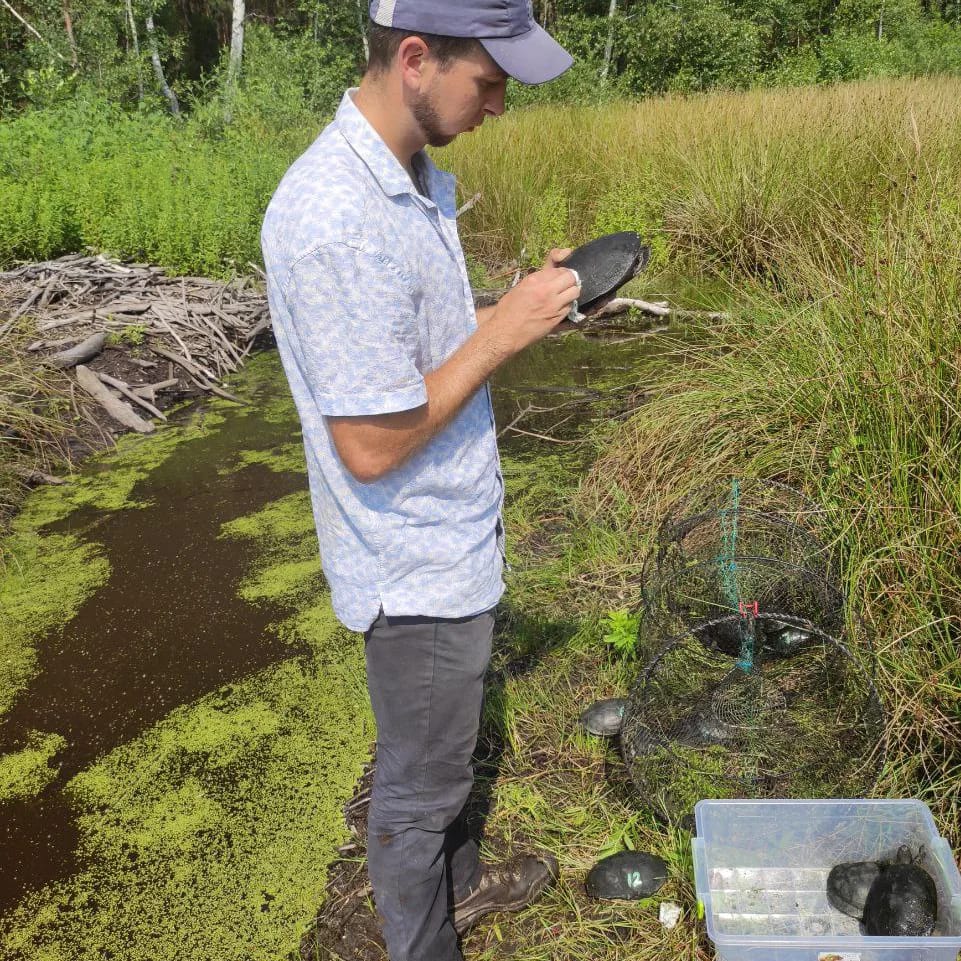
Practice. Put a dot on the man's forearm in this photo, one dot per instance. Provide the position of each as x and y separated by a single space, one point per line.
371 446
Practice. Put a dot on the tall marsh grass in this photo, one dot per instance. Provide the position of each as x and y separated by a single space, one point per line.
833 218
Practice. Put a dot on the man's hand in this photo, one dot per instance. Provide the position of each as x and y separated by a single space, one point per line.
532 309
557 255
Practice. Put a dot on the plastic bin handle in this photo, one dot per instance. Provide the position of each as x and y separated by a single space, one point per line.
701 883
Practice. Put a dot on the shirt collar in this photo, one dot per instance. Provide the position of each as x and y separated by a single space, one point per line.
386 168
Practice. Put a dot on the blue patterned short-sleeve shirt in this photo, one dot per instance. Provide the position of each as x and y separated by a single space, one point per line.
368 292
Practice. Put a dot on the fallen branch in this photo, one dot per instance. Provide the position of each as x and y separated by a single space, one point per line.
127 392
620 305
515 421
219 391
552 440
467 206
116 408
33 476
84 351
149 391
176 358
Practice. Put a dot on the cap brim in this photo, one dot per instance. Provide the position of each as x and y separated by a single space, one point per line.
532 57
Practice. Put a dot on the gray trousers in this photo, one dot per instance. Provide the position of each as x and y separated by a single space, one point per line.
426 682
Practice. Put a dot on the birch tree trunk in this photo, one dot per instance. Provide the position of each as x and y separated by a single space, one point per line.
158 68
33 30
363 29
68 26
136 49
236 56
609 46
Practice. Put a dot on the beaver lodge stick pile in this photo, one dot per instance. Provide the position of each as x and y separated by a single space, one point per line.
130 334
91 347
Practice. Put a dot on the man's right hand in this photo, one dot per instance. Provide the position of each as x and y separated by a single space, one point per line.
532 309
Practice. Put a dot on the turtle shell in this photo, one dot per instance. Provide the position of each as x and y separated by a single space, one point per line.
605 264
604 718
626 876
848 885
902 902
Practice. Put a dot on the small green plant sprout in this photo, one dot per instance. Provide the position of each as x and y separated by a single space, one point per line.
133 335
621 633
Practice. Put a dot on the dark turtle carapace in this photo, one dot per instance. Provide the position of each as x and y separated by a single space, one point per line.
605 264
604 718
892 898
848 885
626 876
902 901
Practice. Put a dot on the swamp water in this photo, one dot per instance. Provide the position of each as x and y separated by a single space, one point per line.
181 716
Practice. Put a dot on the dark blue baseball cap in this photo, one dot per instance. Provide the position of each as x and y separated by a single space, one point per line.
506 29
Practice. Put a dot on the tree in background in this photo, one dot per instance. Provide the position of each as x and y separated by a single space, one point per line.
247 54
236 56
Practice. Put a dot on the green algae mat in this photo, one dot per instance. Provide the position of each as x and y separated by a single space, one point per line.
181 716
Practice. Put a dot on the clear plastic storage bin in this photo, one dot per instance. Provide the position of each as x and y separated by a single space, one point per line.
761 868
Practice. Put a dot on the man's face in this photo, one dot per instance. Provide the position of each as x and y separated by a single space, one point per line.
456 100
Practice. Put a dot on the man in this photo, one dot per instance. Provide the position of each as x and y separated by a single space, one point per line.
388 363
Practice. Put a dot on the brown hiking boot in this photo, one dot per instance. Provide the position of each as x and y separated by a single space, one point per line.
508 886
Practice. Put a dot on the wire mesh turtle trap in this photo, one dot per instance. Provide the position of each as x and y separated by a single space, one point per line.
755 495
696 595
705 565
761 685
802 723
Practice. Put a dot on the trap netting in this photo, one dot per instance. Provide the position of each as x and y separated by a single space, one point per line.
701 724
735 550
695 595
765 498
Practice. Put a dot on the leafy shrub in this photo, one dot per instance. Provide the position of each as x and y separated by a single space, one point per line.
687 46
621 627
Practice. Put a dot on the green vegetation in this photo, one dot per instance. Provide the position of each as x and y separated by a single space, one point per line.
210 833
825 220
44 581
25 773
304 52
621 627
35 420
829 215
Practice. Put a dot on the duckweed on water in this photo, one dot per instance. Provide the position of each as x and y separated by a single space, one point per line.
108 480
208 837
27 772
290 561
45 580
283 459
